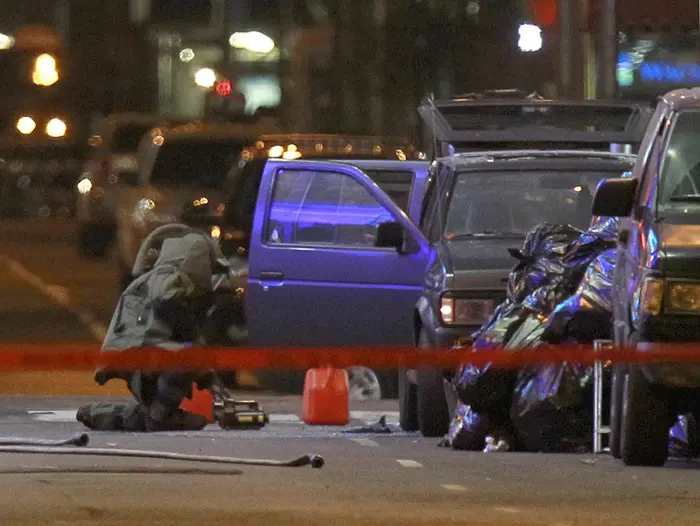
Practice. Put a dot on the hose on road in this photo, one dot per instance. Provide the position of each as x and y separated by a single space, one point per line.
77 440
52 447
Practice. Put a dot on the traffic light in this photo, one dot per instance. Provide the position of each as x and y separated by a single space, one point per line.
223 88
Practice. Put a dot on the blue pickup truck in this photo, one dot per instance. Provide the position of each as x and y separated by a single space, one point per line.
334 251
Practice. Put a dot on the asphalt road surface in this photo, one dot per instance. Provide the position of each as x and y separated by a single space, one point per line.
49 295
394 478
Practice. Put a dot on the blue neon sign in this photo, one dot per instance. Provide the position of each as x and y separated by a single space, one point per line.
669 73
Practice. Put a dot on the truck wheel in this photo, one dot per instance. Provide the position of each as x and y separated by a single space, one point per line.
645 423
616 391
433 416
408 403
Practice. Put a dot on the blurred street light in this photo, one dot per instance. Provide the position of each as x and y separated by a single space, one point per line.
6 41
205 78
25 125
254 41
186 55
530 38
45 73
56 128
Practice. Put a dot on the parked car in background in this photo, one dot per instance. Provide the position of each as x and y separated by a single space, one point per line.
181 171
38 180
112 161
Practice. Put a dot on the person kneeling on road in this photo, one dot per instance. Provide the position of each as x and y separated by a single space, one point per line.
163 307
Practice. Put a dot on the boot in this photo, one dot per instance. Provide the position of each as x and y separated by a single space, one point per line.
161 418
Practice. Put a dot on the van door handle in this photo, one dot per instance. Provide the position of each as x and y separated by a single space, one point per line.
272 275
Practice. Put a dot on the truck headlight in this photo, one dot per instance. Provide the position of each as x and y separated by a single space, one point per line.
684 297
460 311
651 295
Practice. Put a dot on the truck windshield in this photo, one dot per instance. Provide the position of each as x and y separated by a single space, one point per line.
680 170
511 203
194 163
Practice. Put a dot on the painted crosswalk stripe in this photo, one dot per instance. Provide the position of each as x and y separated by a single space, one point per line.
55 416
284 418
409 463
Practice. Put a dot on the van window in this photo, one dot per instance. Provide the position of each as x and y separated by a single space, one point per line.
396 184
194 163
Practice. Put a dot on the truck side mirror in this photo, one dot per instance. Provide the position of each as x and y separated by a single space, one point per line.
615 197
390 234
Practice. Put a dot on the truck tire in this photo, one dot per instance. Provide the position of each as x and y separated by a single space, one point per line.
616 391
645 423
433 415
408 403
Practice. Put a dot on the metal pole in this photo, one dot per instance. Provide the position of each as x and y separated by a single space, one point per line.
608 63
226 47
566 47
286 29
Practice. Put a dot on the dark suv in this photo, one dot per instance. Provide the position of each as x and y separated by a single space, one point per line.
480 204
656 288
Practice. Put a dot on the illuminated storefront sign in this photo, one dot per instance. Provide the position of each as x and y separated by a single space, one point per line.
669 73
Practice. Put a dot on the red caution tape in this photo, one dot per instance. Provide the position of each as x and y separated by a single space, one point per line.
24 357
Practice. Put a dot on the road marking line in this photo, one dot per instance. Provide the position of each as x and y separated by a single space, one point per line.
284 418
365 442
58 295
68 415
454 487
55 416
506 509
409 463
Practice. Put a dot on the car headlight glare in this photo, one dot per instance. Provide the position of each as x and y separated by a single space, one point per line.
461 311
684 297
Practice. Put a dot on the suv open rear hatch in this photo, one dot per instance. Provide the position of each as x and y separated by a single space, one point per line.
482 123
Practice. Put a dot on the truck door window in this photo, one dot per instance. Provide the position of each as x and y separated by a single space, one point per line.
324 209
395 184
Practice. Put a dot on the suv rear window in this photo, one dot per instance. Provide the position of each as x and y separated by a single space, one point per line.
194 163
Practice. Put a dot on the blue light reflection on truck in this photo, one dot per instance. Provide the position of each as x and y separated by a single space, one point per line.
289 220
325 214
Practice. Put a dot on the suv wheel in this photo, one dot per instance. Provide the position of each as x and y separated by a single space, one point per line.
408 403
616 392
645 423
433 414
